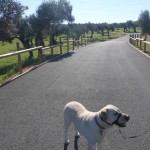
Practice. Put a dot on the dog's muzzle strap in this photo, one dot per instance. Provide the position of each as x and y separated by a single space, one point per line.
115 122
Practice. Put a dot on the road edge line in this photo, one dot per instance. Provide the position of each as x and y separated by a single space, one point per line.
138 50
35 67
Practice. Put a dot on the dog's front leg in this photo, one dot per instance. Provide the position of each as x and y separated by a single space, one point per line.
90 146
76 142
65 146
99 144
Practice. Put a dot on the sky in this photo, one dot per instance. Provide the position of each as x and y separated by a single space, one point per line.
99 11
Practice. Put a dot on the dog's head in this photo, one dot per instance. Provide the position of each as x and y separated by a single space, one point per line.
111 115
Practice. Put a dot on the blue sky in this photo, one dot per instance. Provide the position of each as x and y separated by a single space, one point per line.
99 11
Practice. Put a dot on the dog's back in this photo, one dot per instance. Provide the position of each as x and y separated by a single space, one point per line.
73 109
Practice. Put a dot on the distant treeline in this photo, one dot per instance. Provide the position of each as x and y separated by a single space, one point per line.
48 21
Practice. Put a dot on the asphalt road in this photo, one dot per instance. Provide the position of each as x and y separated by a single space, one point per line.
31 107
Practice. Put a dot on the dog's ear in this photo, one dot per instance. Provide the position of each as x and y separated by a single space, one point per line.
104 114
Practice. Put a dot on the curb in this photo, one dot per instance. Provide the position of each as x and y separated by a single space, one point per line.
138 50
35 67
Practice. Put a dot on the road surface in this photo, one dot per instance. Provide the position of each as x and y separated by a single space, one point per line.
31 107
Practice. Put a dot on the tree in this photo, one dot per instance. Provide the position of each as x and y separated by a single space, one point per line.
134 25
107 27
49 14
144 21
100 27
25 33
112 27
10 12
77 30
130 24
91 27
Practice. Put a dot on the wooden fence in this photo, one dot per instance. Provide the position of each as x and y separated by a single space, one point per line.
137 40
63 42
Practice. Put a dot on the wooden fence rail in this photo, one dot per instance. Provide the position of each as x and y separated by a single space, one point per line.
40 49
19 52
135 39
73 43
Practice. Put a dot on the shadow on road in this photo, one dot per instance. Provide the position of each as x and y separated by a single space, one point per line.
61 57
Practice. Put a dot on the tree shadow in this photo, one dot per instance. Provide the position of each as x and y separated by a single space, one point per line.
9 70
61 57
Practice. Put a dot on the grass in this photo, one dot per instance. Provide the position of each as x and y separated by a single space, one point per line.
6 47
9 66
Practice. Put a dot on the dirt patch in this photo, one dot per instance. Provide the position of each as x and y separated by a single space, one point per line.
26 69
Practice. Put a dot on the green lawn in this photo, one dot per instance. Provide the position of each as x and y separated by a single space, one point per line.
6 47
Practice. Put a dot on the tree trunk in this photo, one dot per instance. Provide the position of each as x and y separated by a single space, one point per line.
52 39
92 32
108 33
134 29
102 32
27 45
39 40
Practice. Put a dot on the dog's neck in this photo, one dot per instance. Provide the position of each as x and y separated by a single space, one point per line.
98 124
109 124
101 123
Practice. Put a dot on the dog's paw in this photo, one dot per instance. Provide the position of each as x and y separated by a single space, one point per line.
67 143
77 136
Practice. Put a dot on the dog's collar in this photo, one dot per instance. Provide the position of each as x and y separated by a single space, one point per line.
98 124
105 121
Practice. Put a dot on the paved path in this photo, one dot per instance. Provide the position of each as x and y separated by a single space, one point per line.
31 107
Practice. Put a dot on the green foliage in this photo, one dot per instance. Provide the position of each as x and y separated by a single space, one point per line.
10 12
48 17
144 21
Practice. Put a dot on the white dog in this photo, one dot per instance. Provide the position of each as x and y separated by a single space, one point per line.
91 124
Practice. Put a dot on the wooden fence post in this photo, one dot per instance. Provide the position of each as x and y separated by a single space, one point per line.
137 42
19 59
51 50
145 43
73 43
67 43
40 55
85 41
140 44
60 45
81 41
